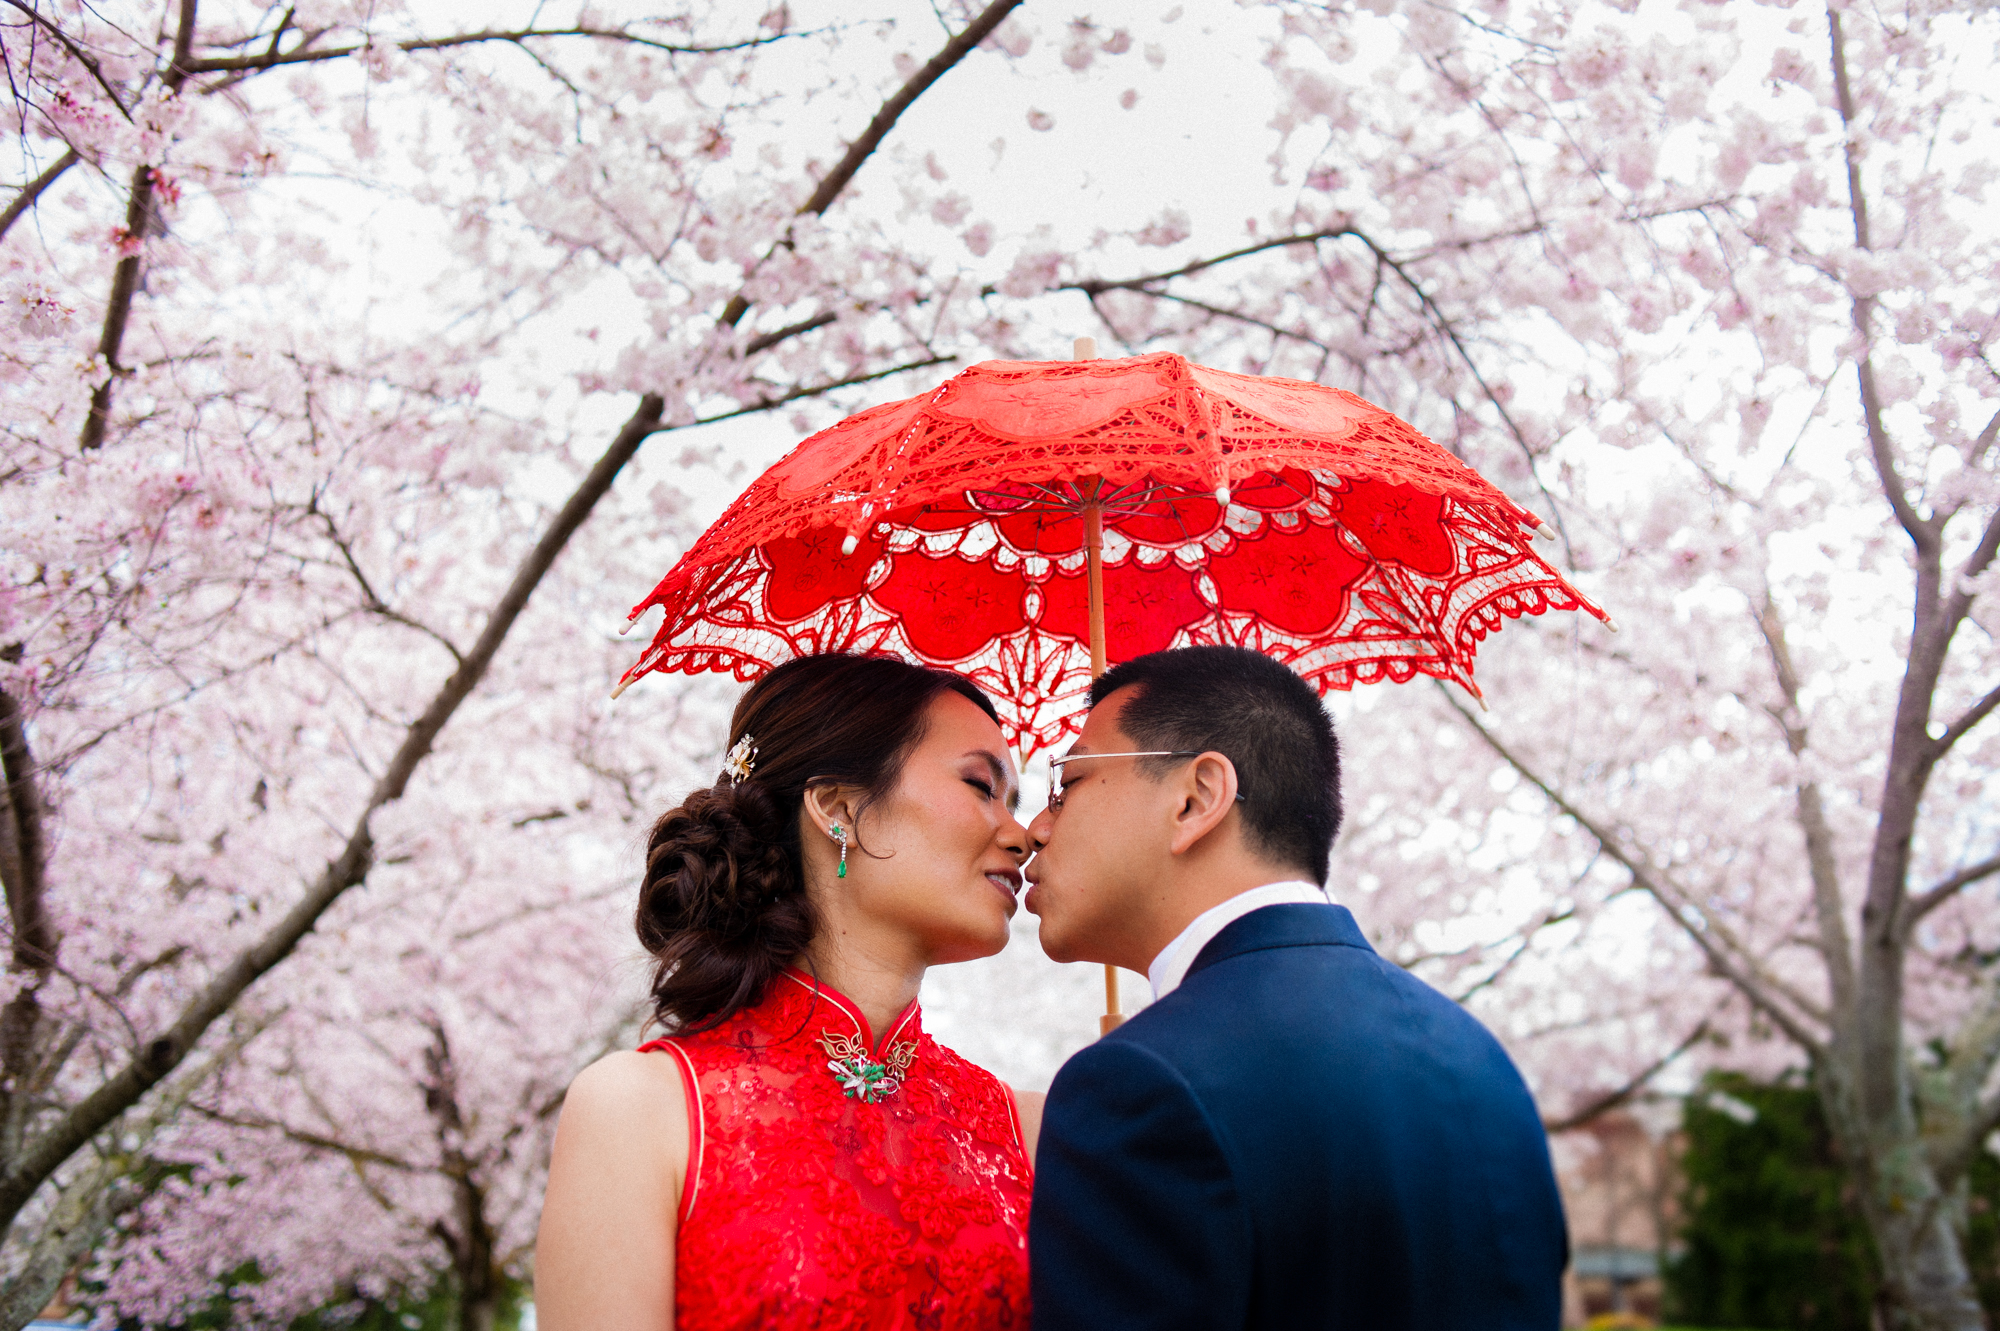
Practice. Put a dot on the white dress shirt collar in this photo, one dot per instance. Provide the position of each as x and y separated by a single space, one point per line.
1171 966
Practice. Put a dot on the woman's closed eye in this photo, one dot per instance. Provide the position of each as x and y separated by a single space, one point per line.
980 784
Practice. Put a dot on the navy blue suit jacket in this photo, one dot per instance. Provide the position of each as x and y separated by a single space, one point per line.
1300 1135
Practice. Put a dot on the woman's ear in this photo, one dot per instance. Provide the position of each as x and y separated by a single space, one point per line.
828 805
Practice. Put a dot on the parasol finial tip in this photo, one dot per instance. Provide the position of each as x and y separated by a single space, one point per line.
850 544
1222 494
1085 348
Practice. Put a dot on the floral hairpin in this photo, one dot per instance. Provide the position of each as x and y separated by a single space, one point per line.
742 760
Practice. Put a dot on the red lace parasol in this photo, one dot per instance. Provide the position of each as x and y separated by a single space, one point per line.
967 527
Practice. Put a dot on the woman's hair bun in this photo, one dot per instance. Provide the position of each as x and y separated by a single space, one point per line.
723 906
714 864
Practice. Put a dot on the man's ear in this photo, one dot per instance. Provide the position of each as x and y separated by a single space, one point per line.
1207 796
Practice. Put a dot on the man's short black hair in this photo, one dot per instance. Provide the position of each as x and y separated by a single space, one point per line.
1263 718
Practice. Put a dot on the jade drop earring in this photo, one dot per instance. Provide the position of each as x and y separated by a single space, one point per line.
839 834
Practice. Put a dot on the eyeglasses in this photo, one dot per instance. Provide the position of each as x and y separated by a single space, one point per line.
1056 766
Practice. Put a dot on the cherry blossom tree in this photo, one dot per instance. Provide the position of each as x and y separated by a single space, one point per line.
318 827
1712 287
271 526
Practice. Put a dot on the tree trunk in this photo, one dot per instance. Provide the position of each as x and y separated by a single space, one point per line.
478 1281
1910 1214
1924 1268
72 1227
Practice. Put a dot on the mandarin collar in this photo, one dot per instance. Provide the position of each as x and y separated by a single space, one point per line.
907 1025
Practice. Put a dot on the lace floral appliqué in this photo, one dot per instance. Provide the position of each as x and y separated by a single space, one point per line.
833 1184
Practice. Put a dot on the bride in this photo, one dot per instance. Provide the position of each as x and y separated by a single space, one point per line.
797 1151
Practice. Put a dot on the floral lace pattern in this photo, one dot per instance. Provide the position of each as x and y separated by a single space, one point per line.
1288 517
808 1207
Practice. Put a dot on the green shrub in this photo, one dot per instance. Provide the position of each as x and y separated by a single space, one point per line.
1772 1237
1772 1232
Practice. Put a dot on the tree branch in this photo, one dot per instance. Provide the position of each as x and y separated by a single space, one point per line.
1611 1100
1725 953
765 341
156 1060
31 191
1921 532
26 886
817 390
76 53
1927 901
302 54
23 869
1952 1163
1237 315
27 1171
178 71
1974 714
1099 287
1494 976
1434 318
91 1196
835 181
1822 858
1973 1051
374 603
1958 604
125 277
1984 440
1879 449
317 1141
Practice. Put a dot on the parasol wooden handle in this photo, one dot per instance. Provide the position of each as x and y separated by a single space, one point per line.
1093 540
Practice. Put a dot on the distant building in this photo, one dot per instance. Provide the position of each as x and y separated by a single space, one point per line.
1620 1187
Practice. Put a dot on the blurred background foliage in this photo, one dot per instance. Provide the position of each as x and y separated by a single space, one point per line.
1771 1232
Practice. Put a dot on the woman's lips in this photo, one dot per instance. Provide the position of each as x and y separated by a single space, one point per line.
1008 884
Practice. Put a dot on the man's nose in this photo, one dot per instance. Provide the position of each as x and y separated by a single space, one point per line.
1039 828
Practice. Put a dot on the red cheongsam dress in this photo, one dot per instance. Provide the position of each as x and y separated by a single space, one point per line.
832 1183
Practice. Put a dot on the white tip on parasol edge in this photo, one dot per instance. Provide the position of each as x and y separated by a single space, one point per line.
1546 532
1084 348
850 543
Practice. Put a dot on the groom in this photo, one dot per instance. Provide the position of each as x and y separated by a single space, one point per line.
1296 1133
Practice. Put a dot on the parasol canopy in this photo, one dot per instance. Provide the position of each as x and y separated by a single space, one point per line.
983 526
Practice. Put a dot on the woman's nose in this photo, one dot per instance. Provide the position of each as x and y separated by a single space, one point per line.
1015 838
